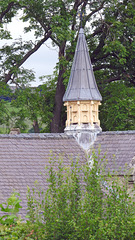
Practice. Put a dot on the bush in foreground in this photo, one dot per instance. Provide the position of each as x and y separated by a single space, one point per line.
81 203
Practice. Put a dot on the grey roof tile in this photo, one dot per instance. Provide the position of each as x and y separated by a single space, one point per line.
119 148
24 156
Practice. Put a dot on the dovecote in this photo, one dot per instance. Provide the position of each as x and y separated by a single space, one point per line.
82 97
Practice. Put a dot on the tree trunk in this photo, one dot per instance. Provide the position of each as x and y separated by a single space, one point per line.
60 90
36 127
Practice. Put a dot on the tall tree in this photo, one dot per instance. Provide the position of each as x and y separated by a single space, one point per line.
36 105
109 29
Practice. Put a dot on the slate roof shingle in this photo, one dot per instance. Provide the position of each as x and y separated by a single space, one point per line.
119 149
24 156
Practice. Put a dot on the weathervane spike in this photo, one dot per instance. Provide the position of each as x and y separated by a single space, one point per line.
81 14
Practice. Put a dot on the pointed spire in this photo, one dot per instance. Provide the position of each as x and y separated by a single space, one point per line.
82 84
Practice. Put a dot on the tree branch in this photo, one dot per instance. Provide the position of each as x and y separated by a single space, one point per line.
36 17
101 66
3 13
113 79
75 8
94 11
33 50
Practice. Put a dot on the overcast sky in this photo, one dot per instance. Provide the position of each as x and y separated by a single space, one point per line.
44 60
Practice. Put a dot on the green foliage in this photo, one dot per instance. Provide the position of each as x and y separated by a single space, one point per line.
11 208
110 37
35 104
118 108
27 105
11 57
80 203
5 92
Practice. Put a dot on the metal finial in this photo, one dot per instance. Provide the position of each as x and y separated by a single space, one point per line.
81 15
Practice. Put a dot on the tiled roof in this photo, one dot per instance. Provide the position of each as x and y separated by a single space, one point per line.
24 156
82 84
119 150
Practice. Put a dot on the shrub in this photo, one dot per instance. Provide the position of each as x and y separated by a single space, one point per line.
80 203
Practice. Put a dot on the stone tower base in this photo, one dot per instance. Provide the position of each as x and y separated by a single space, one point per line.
85 134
